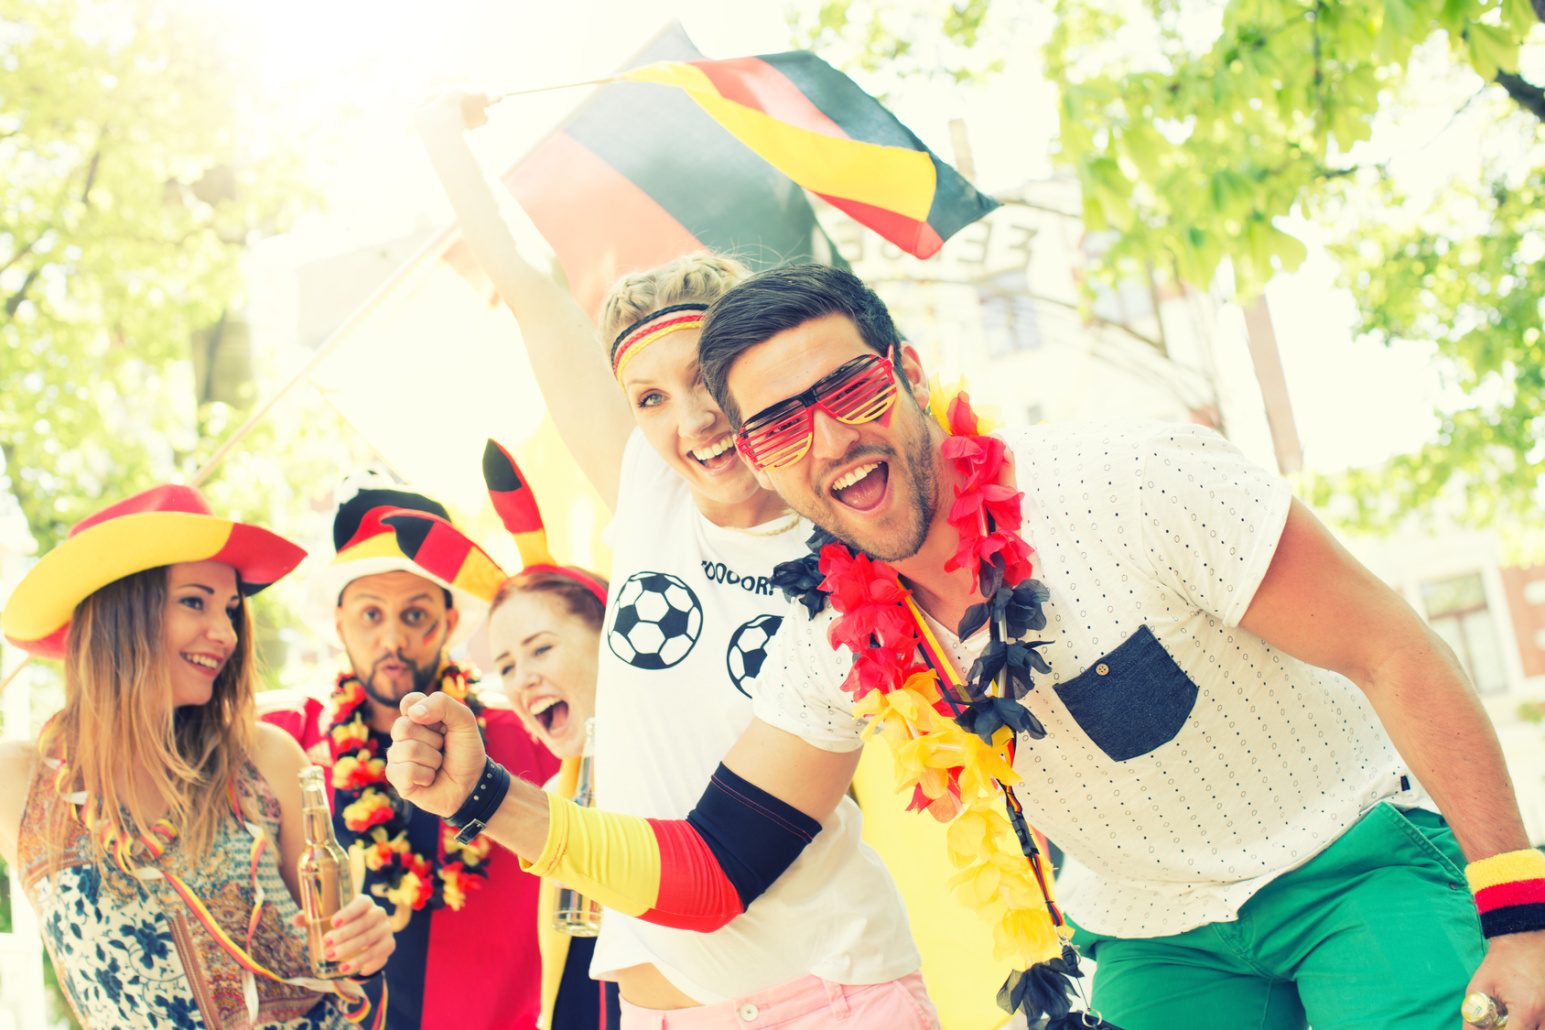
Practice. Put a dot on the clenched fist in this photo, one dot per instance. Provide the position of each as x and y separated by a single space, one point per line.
437 753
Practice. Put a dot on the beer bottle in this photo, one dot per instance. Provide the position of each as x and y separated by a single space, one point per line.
576 914
326 884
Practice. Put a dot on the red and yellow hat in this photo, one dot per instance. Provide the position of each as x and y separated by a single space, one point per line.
367 546
161 526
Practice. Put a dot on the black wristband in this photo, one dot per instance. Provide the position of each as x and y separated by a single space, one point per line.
482 803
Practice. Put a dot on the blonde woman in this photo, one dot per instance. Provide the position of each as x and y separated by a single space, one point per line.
155 825
692 607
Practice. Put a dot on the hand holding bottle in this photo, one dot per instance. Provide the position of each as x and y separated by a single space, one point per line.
358 937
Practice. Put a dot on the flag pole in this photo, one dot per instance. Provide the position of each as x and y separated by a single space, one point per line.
14 673
335 338
494 98
338 335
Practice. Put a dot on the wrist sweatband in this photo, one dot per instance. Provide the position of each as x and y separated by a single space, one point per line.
1509 891
696 873
482 803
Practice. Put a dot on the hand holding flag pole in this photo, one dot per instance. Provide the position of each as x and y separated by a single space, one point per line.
806 119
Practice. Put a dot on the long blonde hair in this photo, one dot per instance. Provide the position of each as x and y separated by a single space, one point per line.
695 278
118 717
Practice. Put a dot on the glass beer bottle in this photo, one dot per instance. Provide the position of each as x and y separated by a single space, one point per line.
326 884
576 915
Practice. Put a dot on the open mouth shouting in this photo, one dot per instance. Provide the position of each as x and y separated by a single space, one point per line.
863 487
552 714
718 455
207 664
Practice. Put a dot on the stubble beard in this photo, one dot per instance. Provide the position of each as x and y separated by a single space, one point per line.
922 500
423 681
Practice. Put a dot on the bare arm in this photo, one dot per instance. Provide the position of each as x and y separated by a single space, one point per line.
361 934
279 760
1320 605
18 764
587 406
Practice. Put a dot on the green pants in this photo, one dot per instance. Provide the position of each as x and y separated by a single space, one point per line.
1378 931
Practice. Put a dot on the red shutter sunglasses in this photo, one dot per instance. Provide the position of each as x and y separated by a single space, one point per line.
857 392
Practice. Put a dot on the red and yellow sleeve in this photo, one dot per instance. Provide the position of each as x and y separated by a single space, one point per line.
657 870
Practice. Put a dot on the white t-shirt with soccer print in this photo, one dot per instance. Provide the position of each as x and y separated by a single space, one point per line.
689 620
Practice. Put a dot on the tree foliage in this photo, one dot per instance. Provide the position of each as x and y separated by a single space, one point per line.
140 157
1195 129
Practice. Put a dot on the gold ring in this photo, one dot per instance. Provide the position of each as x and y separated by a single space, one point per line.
1483 1011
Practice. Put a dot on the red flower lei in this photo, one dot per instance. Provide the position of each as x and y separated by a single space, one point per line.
956 751
365 804
873 620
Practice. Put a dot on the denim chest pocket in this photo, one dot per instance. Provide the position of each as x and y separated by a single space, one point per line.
1132 701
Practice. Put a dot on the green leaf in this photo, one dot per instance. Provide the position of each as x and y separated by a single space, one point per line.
1144 146
1454 15
1520 16
1491 50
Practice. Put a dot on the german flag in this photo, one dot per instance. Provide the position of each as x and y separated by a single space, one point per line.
815 125
640 176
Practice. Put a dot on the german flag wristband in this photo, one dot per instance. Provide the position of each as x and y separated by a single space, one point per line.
1509 890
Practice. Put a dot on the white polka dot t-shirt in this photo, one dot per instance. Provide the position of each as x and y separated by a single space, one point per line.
1186 763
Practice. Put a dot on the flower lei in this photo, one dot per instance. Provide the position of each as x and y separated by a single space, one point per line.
954 742
371 809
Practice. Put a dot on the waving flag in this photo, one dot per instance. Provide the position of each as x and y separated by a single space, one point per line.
816 126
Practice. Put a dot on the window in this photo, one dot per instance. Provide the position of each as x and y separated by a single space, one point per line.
1456 609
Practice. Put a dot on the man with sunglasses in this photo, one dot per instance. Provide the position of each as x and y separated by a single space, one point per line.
1240 805
1237 720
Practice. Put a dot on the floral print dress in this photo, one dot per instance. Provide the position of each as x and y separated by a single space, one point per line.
130 954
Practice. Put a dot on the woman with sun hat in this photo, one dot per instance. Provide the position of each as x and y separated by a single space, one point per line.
155 825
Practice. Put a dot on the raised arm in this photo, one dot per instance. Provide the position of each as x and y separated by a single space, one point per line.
586 405
1320 605
763 805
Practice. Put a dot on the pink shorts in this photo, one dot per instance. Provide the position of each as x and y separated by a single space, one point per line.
803 1004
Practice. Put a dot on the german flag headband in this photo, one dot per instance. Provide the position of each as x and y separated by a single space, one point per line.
445 552
652 327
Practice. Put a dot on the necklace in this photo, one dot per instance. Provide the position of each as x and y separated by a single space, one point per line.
138 856
368 807
953 739
781 524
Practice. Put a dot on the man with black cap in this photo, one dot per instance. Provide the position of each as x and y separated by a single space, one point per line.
460 909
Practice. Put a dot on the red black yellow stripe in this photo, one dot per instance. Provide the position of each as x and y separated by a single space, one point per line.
515 503
1509 892
816 126
692 874
632 340
640 176
443 551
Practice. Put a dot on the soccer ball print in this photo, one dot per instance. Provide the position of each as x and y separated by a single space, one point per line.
657 623
748 648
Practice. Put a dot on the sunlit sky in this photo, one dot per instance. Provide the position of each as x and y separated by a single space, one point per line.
384 57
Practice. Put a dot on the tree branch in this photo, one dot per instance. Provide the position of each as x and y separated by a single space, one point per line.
23 252
21 294
91 171
1524 93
